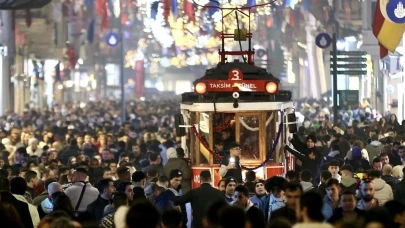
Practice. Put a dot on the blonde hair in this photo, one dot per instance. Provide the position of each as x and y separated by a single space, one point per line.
397 172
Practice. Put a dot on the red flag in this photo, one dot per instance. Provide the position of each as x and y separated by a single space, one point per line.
72 57
189 10
139 78
166 9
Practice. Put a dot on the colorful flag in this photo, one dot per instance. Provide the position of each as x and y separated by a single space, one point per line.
388 33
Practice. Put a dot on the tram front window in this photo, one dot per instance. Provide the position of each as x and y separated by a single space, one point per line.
249 137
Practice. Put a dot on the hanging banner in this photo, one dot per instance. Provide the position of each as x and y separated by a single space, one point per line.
139 78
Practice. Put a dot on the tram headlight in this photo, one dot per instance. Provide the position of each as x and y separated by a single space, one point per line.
200 88
271 87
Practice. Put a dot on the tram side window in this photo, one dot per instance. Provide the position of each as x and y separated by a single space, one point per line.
219 150
228 137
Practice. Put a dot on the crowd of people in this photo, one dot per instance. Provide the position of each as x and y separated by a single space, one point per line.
81 166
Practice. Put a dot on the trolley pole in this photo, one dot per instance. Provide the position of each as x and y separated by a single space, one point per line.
334 79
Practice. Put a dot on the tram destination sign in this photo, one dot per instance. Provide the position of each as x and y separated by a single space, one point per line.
235 86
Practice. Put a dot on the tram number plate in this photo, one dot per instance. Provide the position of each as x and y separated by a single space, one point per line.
235 86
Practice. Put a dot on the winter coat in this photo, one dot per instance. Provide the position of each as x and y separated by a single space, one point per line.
383 191
348 184
374 150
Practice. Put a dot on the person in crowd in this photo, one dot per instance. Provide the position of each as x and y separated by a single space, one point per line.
74 192
333 167
118 199
260 192
292 176
377 164
374 148
399 190
200 198
347 210
253 214
139 181
21 207
397 213
171 219
221 185
230 185
325 175
382 191
348 182
18 186
46 206
250 182
367 191
334 154
128 189
388 177
142 214
232 217
31 177
106 189
310 162
306 180
309 212
275 200
331 200
231 166
357 161
292 194
178 163
41 197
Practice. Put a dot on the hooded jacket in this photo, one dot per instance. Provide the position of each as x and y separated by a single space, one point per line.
306 186
348 184
383 192
374 150
33 210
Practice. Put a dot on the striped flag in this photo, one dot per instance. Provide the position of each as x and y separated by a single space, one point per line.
388 33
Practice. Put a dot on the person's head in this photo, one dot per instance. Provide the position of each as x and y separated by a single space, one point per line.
123 173
292 176
107 173
143 214
119 199
105 188
311 207
18 186
232 217
275 186
163 181
230 185
305 176
234 150
205 177
332 189
175 178
153 159
80 174
139 179
325 175
242 196
374 174
259 188
54 187
350 130
311 140
384 158
153 191
387 169
171 219
127 188
292 194
4 184
211 218
334 145
250 176
377 164
107 155
347 171
397 211
221 185
333 167
401 151
367 190
31 177
356 153
348 201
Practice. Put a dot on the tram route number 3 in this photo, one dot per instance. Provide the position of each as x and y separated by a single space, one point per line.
235 74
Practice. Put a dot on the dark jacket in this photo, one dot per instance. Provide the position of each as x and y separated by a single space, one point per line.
21 208
200 198
390 180
256 217
286 213
338 215
96 209
349 184
139 193
399 191
307 163
359 165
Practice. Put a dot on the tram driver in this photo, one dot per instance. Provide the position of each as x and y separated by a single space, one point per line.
231 166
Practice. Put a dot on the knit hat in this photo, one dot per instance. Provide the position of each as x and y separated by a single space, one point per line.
171 153
260 181
175 173
356 152
229 180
